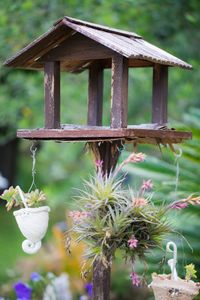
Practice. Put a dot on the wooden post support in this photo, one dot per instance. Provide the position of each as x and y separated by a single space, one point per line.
160 94
108 152
52 94
95 95
119 92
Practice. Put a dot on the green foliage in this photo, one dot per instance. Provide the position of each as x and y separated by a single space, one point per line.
190 272
162 167
14 198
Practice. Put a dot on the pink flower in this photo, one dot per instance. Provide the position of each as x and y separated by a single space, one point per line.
99 163
133 242
135 279
136 157
78 215
179 205
147 185
138 202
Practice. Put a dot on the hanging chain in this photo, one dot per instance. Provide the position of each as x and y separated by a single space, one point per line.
33 150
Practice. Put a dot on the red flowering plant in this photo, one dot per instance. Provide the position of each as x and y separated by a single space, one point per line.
112 216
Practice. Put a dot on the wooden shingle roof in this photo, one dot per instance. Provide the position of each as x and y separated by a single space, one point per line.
132 46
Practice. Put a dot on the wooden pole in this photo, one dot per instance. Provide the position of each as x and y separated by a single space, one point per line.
109 153
160 94
52 94
95 95
119 92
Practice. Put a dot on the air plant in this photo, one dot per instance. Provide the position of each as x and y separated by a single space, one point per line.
112 216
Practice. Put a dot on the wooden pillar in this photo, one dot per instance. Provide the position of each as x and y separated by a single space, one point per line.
95 95
160 94
109 153
52 94
119 92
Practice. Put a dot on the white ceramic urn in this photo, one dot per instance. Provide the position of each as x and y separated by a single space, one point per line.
33 223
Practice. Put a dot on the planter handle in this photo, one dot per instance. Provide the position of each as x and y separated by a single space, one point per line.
30 247
22 197
172 262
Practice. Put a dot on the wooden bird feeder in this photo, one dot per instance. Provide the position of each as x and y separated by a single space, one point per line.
74 46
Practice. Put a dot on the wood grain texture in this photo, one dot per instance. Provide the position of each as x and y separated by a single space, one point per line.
127 44
77 47
160 94
99 134
95 95
52 94
119 92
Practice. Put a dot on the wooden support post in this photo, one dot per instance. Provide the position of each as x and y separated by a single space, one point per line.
119 92
160 94
52 94
108 152
95 95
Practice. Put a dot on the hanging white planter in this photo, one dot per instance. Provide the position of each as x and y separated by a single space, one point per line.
168 287
33 224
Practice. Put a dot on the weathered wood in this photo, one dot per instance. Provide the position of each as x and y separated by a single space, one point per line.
95 95
77 47
28 55
160 94
52 94
98 134
129 44
119 92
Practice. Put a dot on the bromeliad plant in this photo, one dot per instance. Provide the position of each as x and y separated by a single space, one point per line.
112 217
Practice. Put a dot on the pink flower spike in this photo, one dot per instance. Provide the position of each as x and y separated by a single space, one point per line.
138 202
135 279
132 243
99 163
77 216
147 185
136 158
179 205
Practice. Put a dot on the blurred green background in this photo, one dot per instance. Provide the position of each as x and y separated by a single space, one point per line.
61 167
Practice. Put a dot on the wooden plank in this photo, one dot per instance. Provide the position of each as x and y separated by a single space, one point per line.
102 27
119 92
160 94
77 47
25 57
52 94
95 95
98 133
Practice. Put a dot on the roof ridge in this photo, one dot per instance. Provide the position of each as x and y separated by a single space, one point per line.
101 27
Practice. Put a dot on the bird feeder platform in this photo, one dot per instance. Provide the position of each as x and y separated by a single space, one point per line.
139 134
75 46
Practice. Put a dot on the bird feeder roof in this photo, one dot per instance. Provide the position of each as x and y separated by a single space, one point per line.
129 44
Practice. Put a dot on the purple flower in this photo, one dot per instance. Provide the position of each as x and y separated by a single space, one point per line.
135 279
23 291
35 277
179 205
89 287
